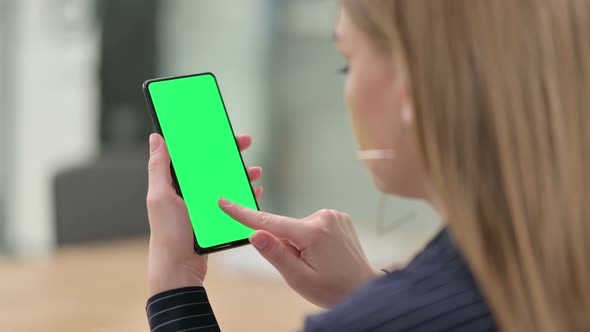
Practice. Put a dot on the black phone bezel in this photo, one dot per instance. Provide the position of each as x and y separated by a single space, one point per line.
145 87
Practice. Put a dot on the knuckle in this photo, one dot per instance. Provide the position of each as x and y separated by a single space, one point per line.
265 218
156 200
237 209
325 221
154 163
319 230
274 253
327 217
324 214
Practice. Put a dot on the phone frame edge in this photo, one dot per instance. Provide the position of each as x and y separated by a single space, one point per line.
155 121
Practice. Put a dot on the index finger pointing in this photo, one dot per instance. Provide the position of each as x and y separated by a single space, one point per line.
280 226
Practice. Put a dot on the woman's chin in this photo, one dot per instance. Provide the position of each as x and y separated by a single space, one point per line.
396 188
381 185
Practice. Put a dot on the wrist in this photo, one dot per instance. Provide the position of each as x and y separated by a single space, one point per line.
161 279
380 272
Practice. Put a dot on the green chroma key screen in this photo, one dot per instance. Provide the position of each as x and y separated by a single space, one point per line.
204 153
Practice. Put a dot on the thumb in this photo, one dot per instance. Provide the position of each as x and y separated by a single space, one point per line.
277 253
160 179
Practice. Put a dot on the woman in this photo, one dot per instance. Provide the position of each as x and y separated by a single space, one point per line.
478 107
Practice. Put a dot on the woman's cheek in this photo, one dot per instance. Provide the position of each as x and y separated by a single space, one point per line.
355 112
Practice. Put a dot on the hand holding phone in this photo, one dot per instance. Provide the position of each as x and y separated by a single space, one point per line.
172 262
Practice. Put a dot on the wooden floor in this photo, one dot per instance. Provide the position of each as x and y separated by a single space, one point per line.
101 288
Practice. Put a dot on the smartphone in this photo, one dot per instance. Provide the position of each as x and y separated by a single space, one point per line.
206 164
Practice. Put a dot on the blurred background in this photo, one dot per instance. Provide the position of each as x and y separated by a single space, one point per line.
73 152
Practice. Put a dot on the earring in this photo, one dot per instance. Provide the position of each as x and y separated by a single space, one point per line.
407 115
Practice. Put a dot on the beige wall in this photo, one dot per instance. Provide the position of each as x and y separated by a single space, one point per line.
5 24
54 118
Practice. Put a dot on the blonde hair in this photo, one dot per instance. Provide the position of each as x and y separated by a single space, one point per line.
501 95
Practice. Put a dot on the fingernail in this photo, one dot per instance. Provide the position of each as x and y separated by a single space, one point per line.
224 202
154 142
259 241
